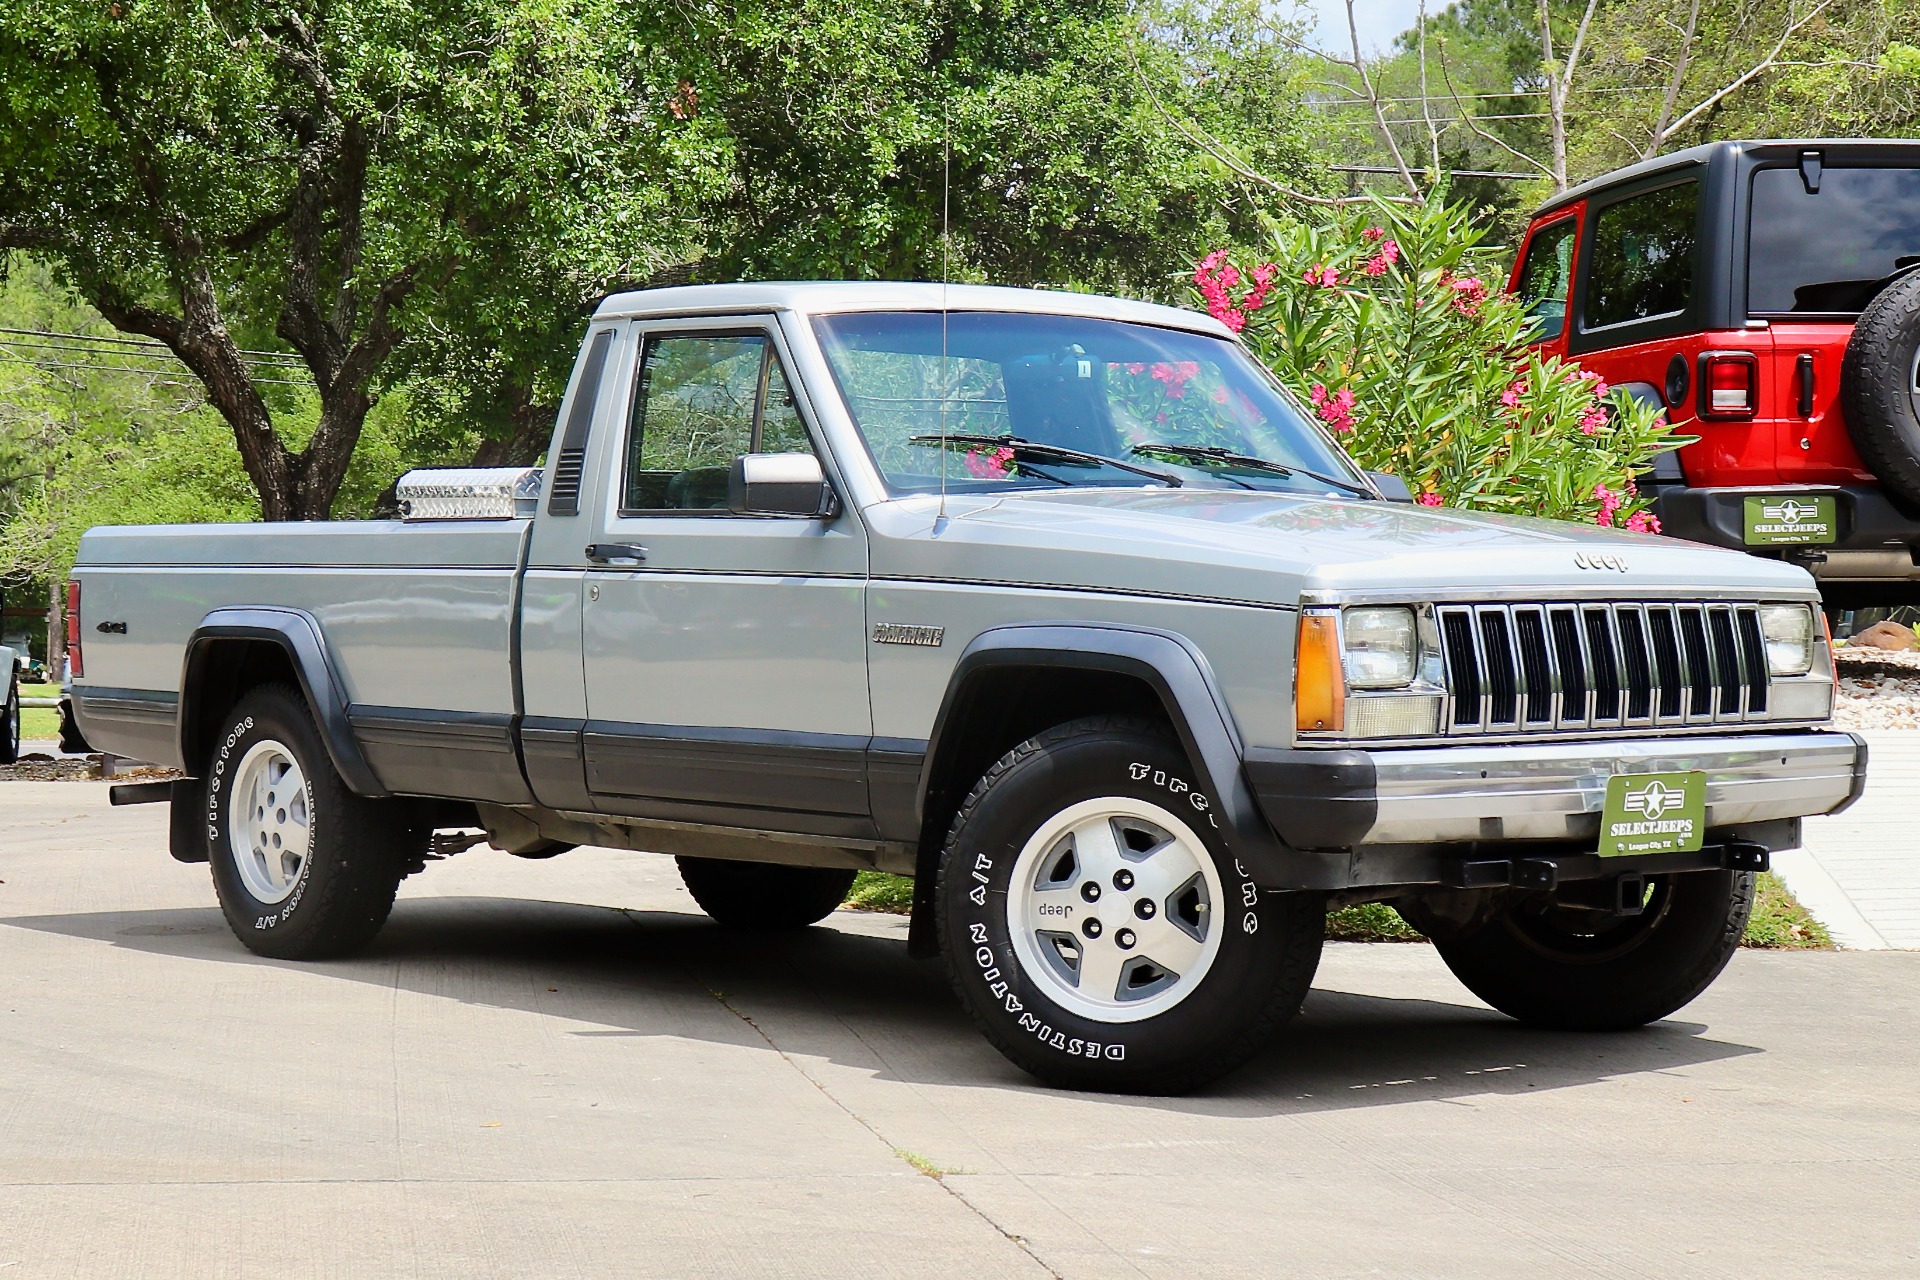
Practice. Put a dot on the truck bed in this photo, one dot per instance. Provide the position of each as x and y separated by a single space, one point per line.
414 616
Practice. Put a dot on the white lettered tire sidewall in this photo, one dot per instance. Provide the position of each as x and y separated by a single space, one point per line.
1253 980
243 737
356 847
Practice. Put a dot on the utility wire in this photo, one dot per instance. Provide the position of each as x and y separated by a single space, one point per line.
144 344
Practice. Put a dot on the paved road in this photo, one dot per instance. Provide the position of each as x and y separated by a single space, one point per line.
558 1069
1860 871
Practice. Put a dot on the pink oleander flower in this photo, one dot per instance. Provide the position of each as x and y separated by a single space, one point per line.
991 464
1334 407
1592 420
1429 499
1263 278
1468 293
1610 502
1511 396
1174 376
1643 522
1373 233
1219 395
1134 366
1322 276
1214 277
1384 257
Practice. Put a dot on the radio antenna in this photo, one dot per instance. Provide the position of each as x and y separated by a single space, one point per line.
946 275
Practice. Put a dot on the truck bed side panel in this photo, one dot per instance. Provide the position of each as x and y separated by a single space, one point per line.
416 619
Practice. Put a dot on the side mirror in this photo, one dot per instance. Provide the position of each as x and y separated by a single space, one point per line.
780 484
1391 487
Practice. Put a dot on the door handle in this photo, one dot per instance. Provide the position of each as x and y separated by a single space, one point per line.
1805 370
615 552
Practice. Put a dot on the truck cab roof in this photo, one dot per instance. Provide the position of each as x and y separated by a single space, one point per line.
816 296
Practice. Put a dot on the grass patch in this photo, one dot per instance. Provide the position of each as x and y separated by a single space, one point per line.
879 891
38 722
1779 921
1370 922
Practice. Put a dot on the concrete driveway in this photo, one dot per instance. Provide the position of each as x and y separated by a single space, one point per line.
561 1069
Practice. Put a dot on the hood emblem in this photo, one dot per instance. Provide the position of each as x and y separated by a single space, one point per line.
1593 560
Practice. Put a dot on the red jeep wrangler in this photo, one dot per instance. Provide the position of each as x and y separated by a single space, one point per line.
1765 294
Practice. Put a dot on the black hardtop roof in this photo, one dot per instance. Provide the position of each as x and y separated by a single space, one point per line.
1757 149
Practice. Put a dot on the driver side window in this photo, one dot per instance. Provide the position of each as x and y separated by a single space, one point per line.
700 401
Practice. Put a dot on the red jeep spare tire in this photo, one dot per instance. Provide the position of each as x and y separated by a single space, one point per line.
1880 387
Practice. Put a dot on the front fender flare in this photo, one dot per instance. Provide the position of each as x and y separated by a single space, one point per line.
1177 672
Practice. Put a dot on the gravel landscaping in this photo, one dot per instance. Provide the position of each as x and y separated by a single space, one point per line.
1879 689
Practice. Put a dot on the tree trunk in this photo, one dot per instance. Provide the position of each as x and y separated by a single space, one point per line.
532 427
56 624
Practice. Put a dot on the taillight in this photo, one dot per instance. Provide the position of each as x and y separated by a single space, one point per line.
73 630
1729 384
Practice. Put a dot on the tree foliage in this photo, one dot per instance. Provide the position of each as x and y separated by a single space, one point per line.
308 176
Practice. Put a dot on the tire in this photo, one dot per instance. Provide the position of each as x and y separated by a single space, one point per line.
10 724
764 896
1880 387
1580 971
72 741
330 900
1096 821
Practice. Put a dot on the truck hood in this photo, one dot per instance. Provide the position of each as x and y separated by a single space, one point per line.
1270 548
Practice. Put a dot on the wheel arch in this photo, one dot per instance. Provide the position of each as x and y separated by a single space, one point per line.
233 650
1083 669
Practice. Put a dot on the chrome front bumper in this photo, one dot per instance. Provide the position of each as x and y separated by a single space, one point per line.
1547 791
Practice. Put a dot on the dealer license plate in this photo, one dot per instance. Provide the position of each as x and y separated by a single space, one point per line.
1654 813
1786 520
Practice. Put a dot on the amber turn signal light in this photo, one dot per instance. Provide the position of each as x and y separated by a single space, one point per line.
1319 684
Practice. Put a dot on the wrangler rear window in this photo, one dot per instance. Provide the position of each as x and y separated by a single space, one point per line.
1829 252
1642 258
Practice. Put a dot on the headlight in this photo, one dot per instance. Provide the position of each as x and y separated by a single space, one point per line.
1382 648
1788 630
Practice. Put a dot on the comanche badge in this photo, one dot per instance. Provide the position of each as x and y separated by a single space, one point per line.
908 633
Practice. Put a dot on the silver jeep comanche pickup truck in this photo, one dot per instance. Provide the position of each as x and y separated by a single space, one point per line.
1057 604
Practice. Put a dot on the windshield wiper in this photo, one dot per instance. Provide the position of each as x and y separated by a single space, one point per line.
1020 446
1214 453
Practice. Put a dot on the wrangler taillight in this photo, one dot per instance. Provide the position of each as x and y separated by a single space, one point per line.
1729 384
73 630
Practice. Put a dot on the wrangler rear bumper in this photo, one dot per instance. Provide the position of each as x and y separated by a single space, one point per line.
1876 542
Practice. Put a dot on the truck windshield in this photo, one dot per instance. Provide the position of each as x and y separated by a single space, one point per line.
1101 402
1829 252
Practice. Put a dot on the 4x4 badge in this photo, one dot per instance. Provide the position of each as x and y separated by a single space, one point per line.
1592 560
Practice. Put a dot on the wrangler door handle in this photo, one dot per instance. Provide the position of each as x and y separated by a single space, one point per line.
1805 370
614 552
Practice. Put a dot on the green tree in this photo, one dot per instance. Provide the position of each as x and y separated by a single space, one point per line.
310 175
1053 141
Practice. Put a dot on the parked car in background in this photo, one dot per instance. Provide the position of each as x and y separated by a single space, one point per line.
13 665
1766 294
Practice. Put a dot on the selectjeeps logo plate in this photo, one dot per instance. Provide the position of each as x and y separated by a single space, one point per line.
1786 520
1654 813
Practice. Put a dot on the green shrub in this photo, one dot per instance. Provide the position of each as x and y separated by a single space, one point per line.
1389 321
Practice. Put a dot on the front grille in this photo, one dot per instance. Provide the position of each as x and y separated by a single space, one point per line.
1542 668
